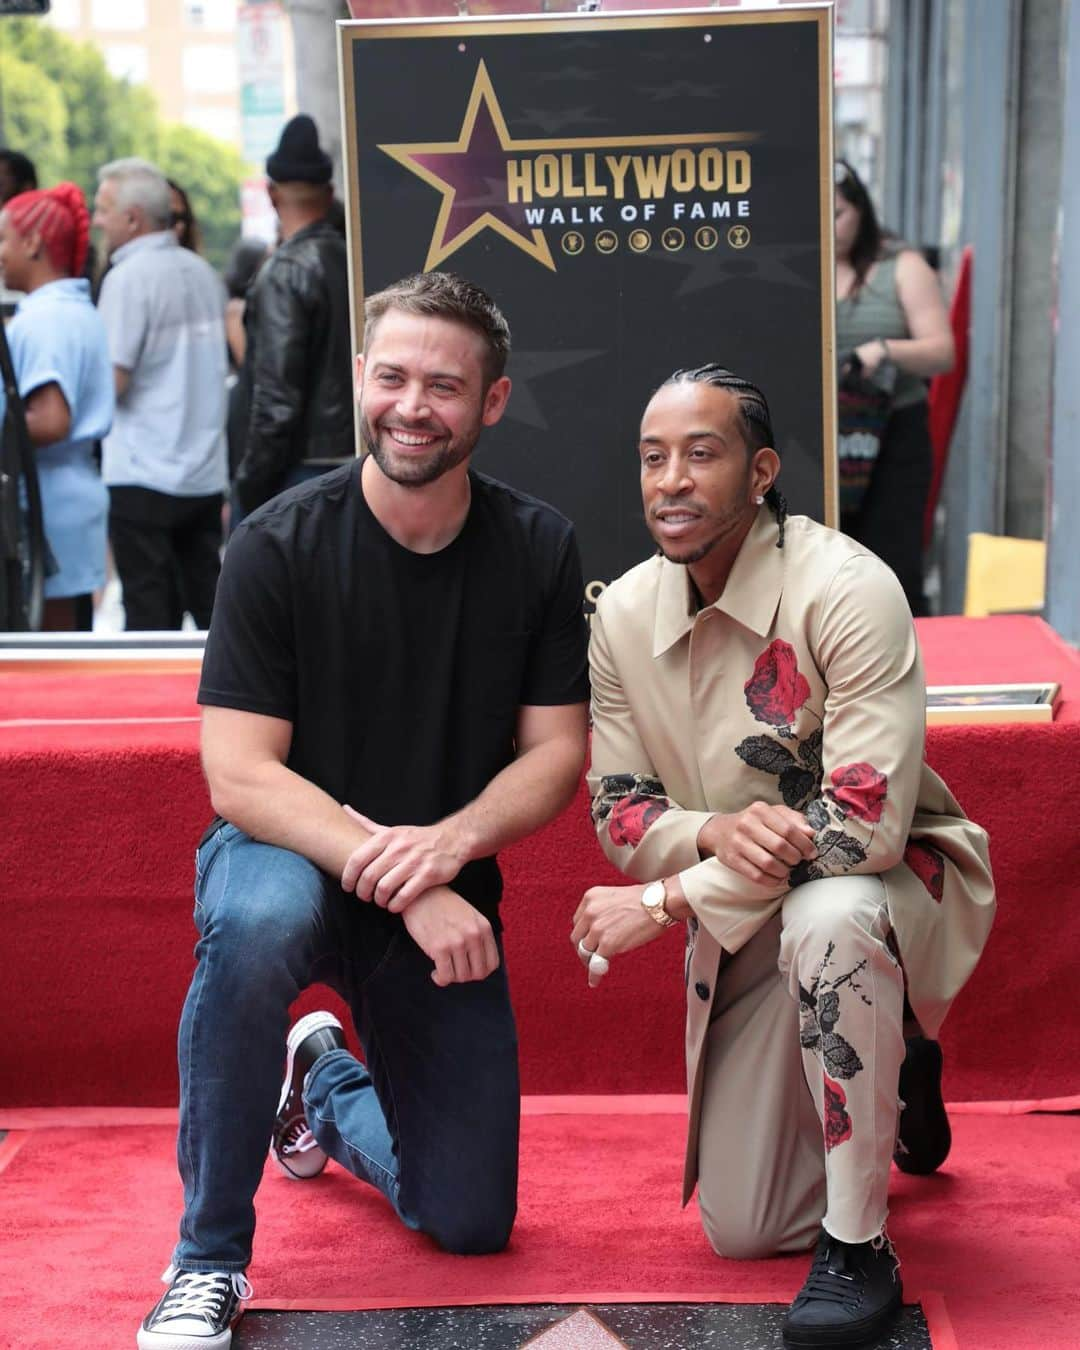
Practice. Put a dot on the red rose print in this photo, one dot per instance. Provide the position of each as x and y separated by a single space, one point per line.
632 816
776 691
837 1120
860 790
928 864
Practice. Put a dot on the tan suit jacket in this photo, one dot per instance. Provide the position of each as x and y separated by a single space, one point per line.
801 684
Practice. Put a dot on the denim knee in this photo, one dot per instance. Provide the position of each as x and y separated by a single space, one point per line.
472 1232
258 909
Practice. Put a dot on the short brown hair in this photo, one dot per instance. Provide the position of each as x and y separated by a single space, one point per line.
442 295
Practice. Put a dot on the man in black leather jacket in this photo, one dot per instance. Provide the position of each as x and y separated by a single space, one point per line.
298 361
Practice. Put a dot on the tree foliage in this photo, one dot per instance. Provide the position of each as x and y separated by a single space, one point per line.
62 108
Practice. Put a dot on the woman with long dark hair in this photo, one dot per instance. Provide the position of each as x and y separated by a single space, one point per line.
61 358
892 333
182 218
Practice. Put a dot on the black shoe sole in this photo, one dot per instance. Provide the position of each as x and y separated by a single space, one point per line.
846 1335
925 1134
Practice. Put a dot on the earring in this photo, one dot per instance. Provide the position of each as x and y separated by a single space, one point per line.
759 500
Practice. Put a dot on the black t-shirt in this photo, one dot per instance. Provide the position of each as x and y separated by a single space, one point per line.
402 673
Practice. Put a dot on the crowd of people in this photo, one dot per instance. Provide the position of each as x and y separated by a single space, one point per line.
225 392
164 402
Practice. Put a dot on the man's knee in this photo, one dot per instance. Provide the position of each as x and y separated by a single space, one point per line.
743 1236
732 1237
263 908
478 1231
834 907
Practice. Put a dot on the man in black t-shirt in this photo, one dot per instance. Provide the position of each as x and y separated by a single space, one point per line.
394 687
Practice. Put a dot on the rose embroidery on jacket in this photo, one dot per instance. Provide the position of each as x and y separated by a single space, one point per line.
859 790
631 817
630 803
928 864
837 1121
774 694
776 690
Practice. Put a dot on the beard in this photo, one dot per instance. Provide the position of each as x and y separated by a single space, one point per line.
417 470
721 525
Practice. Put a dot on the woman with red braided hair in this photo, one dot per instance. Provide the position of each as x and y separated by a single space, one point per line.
61 358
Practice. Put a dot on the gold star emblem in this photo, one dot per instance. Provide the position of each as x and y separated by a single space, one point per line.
465 172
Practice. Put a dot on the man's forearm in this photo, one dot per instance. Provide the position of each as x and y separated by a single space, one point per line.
277 806
520 799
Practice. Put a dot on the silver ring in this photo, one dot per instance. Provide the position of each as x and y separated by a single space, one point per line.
585 952
598 965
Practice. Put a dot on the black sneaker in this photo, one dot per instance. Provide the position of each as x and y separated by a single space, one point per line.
292 1143
197 1312
925 1137
851 1295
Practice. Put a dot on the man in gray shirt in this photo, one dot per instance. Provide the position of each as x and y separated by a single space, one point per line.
164 461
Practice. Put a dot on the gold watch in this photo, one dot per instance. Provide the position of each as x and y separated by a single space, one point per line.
652 901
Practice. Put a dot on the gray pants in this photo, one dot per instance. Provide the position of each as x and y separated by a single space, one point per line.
799 1107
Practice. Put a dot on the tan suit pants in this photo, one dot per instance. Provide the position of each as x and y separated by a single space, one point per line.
799 1106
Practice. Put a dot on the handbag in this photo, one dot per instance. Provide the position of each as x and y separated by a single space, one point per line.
863 405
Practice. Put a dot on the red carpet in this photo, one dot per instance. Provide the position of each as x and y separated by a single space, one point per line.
101 818
87 1222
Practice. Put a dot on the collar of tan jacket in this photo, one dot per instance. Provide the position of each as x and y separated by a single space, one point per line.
750 597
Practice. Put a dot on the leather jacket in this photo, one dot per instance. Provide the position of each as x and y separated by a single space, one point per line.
298 364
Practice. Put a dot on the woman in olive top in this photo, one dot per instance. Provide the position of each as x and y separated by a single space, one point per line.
889 309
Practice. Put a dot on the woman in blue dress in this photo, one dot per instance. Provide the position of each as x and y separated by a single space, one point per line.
61 359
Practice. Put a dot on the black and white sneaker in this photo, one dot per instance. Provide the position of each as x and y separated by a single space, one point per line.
292 1143
850 1297
197 1312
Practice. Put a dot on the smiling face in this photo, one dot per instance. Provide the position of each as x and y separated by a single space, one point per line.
423 396
699 477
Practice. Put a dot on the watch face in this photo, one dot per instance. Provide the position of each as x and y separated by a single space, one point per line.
653 894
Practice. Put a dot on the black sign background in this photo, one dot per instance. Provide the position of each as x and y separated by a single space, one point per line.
593 337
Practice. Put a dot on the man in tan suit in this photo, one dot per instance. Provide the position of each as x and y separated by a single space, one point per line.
757 761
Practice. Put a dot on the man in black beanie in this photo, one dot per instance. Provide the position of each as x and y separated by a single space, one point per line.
298 364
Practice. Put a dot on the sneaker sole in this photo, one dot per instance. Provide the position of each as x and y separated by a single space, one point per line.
167 1340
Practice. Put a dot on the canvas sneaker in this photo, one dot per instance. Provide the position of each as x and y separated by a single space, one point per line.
850 1297
197 1312
924 1137
292 1144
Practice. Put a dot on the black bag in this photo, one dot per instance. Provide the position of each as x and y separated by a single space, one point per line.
863 405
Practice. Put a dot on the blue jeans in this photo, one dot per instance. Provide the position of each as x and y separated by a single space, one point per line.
431 1122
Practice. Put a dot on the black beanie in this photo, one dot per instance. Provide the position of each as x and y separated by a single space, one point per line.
298 158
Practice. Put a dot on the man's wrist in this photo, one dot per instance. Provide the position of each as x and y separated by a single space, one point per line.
676 902
653 899
459 837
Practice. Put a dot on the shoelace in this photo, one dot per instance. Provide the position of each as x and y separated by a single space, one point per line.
298 1138
837 1285
195 1294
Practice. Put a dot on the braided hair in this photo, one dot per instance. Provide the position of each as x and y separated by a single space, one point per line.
60 215
756 421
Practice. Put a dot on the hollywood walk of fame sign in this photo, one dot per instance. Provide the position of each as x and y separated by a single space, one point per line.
638 192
